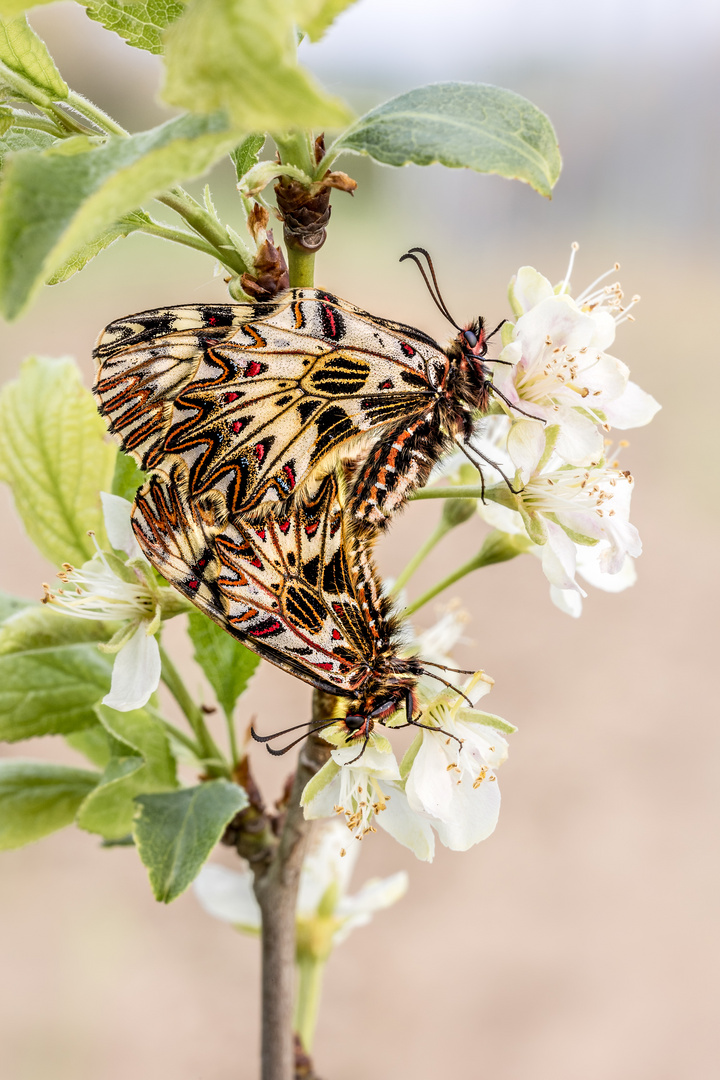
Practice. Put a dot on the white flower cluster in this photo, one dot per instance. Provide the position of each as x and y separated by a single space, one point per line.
563 394
445 785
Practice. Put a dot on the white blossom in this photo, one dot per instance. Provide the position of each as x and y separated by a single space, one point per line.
562 373
323 895
119 591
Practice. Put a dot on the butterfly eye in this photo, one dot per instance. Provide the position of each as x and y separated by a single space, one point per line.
354 723
470 338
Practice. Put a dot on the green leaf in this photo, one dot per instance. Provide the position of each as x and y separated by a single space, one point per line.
52 674
247 154
175 833
315 16
10 605
227 664
140 24
6 119
25 53
9 9
461 125
37 797
80 258
54 203
127 477
24 138
241 56
143 763
93 743
56 458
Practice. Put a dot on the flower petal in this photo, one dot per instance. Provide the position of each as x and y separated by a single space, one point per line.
634 408
375 895
529 288
228 895
118 526
136 672
410 829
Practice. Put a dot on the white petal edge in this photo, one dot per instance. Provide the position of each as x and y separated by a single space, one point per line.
135 673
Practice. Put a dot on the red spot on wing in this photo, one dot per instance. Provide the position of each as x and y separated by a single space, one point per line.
254 368
387 385
312 528
237 426
271 629
284 526
260 533
330 314
260 451
290 475
337 636
255 562
231 396
324 666
193 584
407 349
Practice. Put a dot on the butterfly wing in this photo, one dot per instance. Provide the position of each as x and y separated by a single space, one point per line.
283 586
258 400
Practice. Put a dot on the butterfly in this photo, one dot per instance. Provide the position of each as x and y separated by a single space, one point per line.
261 400
298 588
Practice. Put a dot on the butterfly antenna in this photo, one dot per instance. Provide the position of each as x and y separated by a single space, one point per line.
277 734
511 404
452 686
436 295
444 667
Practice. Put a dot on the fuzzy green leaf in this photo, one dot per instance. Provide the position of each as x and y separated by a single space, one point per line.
26 54
24 138
52 674
461 125
145 765
315 16
240 55
54 203
175 833
56 458
227 664
127 477
247 154
80 258
37 797
140 24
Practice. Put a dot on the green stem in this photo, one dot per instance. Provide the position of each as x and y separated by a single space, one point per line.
26 120
206 226
232 739
441 529
301 265
310 976
467 568
179 236
297 149
462 491
209 751
96 115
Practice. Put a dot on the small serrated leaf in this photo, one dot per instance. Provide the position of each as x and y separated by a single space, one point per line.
316 16
55 457
175 833
23 138
461 125
247 154
37 798
80 258
26 54
139 23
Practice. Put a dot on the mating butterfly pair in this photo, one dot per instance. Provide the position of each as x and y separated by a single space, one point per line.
243 412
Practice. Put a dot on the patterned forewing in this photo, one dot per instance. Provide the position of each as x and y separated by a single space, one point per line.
283 586
257 399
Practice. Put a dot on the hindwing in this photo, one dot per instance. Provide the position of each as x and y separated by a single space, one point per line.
296 588
258 400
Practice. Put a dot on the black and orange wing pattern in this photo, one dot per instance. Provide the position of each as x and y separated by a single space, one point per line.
261 400
295 588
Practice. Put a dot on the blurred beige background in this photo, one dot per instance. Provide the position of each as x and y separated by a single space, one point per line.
580 942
